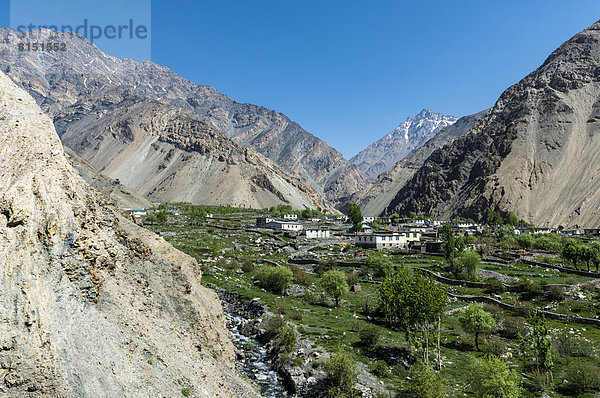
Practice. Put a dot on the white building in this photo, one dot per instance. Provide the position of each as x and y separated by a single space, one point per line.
386 240
462 224
290 216
368 219
316 233
284 225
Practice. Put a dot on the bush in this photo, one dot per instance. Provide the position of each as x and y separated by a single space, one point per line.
341 373
301 277
564 345
324 266
287 338
274 279
582 376
334 283
369 336
426 382
379 368
529 289
466 264
495 346
555 293
273 324
510 327
491 377
495 286
352 278
186 392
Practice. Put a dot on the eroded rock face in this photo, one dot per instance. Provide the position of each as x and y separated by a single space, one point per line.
87 297
534 153
59 79
167 154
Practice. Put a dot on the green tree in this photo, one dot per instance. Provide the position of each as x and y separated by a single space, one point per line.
512 219
494 217
334 283
355 216
379 264
595 248
490 377
477 321
447 235
150 219
466 264
426 382
395 218
541 343
341 373
161 216
274 279
572 252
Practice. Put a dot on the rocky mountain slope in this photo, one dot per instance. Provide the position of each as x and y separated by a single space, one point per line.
381 155
166 154
124 197
380 192
535 152
88 298
59 79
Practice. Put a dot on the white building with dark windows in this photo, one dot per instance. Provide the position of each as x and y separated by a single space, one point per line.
284 226
386 240
368 219
290 216
317 233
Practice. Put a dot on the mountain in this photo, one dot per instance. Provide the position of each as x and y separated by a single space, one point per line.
377 196
166 154
87 296
124 197
534 153
381 155
60 79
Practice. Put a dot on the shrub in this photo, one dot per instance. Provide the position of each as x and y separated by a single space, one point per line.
273 324
466 264
274 279
555 293
296 314
564 345
529 289
491 377
287 338
341 373
426 382
352 278
301 277
379 368
582 376
186 392
495 286
495 346
324 266
369 336
510 327
379 264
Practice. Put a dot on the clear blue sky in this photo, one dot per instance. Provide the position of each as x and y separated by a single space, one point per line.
350 71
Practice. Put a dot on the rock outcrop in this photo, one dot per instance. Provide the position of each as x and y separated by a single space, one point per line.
60 79
409 136
90 304
166 154
534 153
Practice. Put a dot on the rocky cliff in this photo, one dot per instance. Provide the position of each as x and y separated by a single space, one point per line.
166 154
379 193
410 135
59 79
90 304
535 152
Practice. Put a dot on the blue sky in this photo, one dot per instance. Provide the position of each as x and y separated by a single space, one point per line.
350 71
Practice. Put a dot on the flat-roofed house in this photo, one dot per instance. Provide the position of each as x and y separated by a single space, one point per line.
284 225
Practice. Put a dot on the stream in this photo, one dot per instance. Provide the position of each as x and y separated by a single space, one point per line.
252 360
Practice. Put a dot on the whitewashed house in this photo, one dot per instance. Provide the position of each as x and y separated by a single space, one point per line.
290 216
317 233
368 219
284 226
386 240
